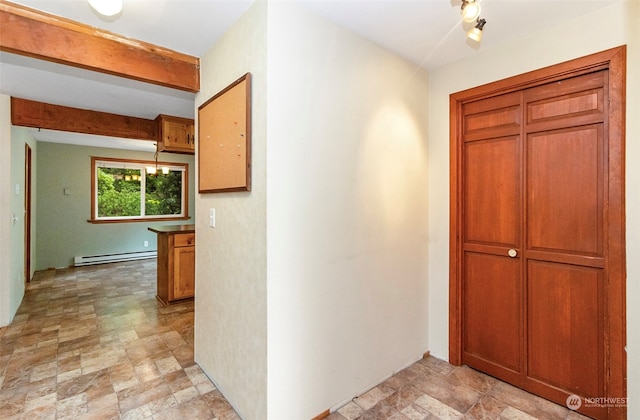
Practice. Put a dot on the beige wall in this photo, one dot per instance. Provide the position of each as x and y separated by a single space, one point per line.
339 261
312 287
632 27
606 28
231 295
346 213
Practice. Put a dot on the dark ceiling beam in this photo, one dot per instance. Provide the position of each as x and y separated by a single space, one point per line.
28 113
33 33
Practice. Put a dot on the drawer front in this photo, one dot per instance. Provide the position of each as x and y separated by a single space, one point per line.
184 239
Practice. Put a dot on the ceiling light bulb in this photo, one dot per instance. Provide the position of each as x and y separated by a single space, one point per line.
470 10
476 32
107 7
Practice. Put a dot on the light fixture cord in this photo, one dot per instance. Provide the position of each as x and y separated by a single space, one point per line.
155 156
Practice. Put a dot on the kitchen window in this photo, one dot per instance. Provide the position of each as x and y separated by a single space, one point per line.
124 190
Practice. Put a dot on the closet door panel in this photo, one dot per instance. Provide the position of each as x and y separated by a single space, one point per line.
491 208
564 191
492 313
564 317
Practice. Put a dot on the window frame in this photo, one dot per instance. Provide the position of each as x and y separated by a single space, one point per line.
142 165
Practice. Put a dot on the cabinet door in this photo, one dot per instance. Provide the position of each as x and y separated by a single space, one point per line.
184 267
175 135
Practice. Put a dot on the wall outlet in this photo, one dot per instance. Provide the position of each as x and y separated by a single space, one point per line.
146 243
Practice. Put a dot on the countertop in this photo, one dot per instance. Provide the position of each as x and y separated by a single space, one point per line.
171 229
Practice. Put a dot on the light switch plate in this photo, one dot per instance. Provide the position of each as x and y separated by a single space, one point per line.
212 218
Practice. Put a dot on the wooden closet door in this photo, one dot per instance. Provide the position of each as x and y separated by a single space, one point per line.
537 270
492 206
534 170
565 184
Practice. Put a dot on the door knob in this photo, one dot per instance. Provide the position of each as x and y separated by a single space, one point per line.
512 253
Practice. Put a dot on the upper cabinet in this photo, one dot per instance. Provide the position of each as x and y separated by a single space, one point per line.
176 134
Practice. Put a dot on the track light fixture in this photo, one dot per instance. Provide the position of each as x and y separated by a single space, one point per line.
475 33
107 7
470 10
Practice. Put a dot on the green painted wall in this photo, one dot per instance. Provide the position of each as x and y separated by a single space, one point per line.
19 138
62 228
12 238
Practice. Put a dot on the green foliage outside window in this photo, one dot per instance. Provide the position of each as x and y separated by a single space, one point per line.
163 194
118 197
120 193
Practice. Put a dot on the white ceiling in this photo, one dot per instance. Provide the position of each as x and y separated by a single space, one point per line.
426 32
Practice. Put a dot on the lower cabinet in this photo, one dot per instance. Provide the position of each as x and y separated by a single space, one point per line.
176 266
184 269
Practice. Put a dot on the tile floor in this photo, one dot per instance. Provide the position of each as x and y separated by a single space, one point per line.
94 343
434 389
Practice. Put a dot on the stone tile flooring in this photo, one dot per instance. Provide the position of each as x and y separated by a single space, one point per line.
94 343
434 389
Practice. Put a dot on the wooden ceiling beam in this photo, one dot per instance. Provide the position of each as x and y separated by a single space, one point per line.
33 33
28 113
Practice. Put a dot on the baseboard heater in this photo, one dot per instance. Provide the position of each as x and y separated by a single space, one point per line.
111 258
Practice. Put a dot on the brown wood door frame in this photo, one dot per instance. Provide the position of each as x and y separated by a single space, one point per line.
615 312
27 212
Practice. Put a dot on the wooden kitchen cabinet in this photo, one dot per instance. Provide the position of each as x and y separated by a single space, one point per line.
176 262
184 266
176 134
